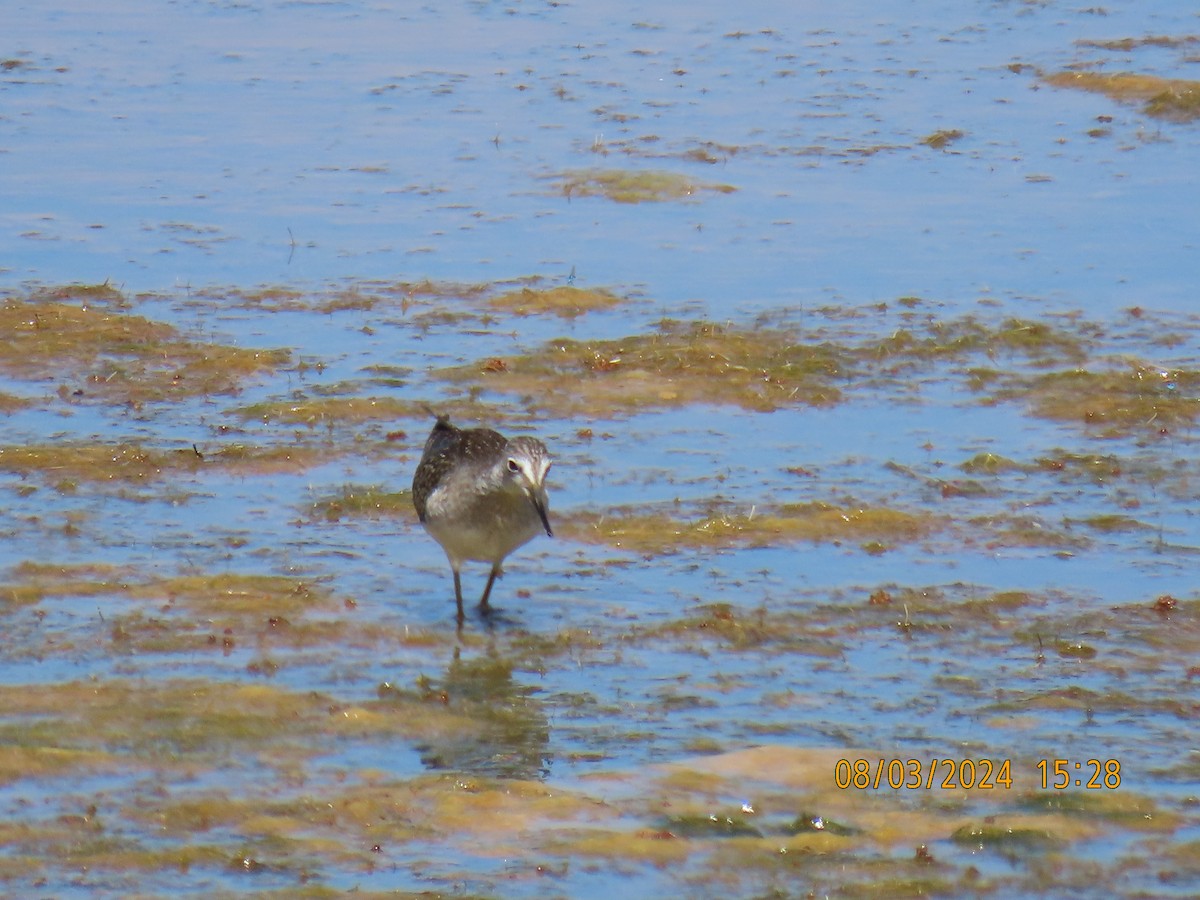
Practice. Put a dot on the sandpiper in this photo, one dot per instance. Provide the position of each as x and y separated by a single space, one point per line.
481 496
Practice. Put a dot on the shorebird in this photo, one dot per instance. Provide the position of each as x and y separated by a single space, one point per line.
481 496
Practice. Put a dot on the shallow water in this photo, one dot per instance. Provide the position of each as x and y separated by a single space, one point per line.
314 143
337 179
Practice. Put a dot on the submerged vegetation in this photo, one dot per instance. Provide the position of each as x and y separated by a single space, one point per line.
69 464
771 365
792 806
1165 98
1116 402
939 140
321 411
87 335
677 364
656 532
635 185
265 712
483 735
90 335
362 500
566 301
431 303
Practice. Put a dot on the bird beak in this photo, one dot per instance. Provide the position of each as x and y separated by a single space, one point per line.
539 503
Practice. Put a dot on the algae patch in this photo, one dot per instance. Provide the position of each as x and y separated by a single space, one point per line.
428 303
328 411
267 619
66 465
1041 343
33 581
677 364
1114 401
238 594
635 186
566 301
1175 99
362 500
199 719
939 140
72 463
10 403
86 335
762 365
226 595
658 532
737 629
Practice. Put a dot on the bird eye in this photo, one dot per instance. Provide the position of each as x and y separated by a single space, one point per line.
513 465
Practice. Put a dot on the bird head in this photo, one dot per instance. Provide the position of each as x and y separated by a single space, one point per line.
525 466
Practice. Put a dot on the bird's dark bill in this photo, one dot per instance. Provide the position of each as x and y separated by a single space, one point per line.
541 510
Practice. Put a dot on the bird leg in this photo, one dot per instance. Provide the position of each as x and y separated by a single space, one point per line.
458 594
487 591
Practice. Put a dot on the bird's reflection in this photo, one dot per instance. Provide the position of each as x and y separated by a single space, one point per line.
512 736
